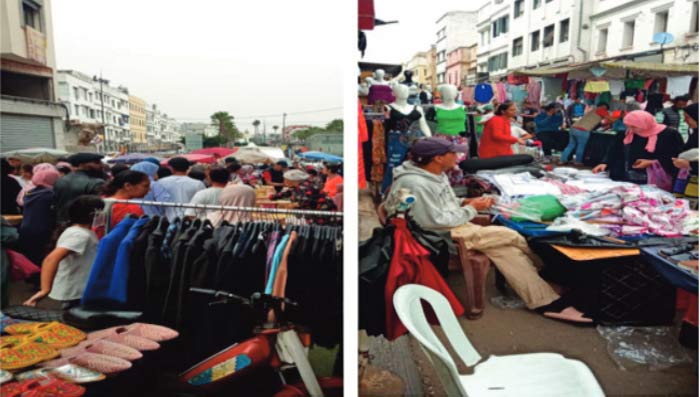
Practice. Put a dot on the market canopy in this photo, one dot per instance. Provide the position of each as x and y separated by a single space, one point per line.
129 158
194 158
320 156
36 155
613 70
217 152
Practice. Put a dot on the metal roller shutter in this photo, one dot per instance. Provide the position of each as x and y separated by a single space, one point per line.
22 132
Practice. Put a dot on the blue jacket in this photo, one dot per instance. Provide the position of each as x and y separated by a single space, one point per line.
547 123
101 274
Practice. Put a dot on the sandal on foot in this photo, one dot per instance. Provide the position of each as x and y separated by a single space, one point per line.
569 314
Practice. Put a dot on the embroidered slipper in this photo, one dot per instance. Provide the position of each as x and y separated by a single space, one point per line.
25 354
13 340
6 320
42 387
69 372
107 365
22 328
153 332
121 335
105 347
57 335
5 376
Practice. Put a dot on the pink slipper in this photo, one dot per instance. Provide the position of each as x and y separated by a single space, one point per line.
135 342
105 347
153 332
97 362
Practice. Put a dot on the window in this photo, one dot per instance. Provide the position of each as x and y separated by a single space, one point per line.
628 35
500 26
498 62
536 4
485 38
602 40
519 8
518 46
535 40
77 110
564 31
694 18
32 14
83 93
548 39
90 96
661 22
548 1
92 114
75 93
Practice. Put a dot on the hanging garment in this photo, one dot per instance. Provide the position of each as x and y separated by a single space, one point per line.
100 279
410 265
361 139
500 91
483 93
534 91
677 86
450 121
378 151
597 86
519 95
616 87
468 95
380 92
398 139
635 84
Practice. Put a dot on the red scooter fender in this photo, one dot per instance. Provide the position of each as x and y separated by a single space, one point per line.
232 362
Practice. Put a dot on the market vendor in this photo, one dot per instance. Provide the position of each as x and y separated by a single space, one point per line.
437 208
547 128
300 190
636 150
274 176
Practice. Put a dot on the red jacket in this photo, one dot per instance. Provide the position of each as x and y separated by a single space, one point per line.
410 264
496 139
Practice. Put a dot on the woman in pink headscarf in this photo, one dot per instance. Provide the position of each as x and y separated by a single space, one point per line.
29 186
39 216
635 150
234 195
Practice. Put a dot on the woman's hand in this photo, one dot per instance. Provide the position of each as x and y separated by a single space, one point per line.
642 164
681 163
599 168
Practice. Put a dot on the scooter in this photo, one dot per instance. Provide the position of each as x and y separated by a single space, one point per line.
276 345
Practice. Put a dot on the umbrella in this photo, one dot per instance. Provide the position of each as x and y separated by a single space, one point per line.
194 158
36 155
130 158
217 152
320 156
252 155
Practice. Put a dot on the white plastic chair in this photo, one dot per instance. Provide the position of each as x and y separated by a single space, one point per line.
521 375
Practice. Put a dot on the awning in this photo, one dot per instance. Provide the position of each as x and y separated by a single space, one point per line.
615 70
365 14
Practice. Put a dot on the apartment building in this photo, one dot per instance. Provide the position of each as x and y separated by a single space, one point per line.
455 29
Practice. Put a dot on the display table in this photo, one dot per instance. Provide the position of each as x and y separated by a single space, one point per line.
677 275
14 220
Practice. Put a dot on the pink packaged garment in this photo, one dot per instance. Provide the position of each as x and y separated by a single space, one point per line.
500 91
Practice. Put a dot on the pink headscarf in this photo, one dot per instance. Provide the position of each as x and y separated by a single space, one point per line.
647 127
45 178
31 185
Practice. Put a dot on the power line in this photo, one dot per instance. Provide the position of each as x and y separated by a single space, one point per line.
264 115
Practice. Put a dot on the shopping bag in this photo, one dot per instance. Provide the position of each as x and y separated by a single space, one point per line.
21 268
656 175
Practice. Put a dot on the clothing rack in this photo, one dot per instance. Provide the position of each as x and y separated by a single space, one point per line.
272 211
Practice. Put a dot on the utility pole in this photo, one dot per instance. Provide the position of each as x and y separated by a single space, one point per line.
284 122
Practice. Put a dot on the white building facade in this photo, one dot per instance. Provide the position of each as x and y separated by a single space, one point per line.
627 27
515 34
454 29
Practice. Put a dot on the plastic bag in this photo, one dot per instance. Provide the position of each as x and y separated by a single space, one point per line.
507 302
654 347
546 207
656 175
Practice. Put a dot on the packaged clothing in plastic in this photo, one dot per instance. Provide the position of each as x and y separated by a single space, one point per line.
545 208
654 347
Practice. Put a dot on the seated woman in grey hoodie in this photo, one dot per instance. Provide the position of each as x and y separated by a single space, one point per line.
438 208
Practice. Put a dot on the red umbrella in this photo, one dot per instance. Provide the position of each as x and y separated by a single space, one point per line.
194 158
217 152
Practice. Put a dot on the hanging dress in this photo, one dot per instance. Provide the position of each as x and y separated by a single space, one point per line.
398 140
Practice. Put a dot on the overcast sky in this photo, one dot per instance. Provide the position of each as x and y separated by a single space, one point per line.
195 58
416 29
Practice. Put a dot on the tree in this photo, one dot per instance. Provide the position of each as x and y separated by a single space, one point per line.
256 124
335 126
215 141
227 128
275 127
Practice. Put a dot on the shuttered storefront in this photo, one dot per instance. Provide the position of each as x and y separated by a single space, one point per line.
22 132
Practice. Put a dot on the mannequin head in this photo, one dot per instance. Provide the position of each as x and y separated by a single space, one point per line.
379 75
408 75
400 92
448 93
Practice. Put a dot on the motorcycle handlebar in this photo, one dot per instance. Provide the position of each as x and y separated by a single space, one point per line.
228 295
